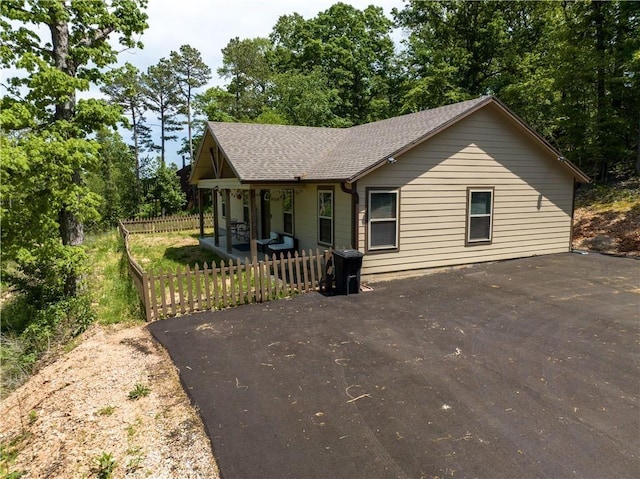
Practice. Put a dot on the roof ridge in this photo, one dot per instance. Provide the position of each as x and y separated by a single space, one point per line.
429 112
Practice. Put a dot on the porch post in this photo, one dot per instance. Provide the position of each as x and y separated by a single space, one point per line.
201 211
227 199
253 222
216 222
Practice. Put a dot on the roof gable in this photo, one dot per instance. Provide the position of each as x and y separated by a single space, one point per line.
277 153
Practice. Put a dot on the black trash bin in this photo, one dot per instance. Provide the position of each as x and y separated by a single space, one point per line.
348 263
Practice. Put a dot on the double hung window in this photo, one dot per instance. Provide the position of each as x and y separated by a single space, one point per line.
287 211
325 217
479 215
383 211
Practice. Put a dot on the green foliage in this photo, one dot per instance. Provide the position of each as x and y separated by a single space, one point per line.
567 68
304 98
124 87
165 195
8 453
215 104
139 391
14 362
115 181
33 417
618 196
161 94
46 149
353 50
191 73
106 411
41 274
28 331
105 466
245 65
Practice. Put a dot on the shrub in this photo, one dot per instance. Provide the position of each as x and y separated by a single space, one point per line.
42 274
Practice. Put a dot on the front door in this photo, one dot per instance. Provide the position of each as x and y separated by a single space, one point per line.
265 213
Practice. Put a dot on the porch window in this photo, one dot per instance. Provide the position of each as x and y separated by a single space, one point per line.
479 215
223 204
383 219
325 217
287 211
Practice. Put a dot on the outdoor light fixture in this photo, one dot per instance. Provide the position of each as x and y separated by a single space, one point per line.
391 160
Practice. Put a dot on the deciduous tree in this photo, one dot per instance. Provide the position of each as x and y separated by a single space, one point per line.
46 125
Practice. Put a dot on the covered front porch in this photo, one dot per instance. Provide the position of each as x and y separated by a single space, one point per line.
243 214
239 250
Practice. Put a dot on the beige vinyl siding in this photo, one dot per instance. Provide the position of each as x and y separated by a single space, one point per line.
482 150
306 216
236 208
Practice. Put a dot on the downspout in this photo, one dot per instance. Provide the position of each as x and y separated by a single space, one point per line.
355 203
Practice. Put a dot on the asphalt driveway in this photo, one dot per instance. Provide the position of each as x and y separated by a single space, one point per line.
525 368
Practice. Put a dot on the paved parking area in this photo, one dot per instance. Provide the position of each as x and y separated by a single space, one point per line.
526 368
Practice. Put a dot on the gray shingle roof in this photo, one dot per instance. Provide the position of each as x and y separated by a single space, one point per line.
282 153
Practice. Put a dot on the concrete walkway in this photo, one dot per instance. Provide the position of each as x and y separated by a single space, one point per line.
518 369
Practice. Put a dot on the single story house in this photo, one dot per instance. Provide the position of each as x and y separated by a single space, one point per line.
463 183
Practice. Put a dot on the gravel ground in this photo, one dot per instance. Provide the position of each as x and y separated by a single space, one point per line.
77 409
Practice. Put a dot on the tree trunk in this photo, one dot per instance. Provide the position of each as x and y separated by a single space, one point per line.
638 153
189 127
71 228
602 154
136 152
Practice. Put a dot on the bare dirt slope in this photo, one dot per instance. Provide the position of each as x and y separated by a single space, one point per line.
613 231
76 410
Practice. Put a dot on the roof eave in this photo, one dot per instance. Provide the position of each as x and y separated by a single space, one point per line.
581 176
195 163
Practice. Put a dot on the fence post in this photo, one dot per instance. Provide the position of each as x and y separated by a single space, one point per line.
146 296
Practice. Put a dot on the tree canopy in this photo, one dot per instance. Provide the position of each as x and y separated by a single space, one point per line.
48 148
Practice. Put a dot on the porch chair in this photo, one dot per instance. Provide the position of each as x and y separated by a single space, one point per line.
288 245
272 239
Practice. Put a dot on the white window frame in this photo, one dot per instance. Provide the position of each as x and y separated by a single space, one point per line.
372 220
470 216
331 218
285 213
223 204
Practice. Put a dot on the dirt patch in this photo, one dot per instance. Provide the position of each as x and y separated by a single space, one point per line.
608 231
77 410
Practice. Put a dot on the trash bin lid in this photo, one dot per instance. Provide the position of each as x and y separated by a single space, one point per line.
349 253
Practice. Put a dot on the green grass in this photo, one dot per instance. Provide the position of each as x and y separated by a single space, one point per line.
139 391
618 197
170 250
114 298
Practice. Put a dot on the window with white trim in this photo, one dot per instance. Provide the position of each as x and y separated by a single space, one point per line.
223 203
383 228
287 211
479 215
325 217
